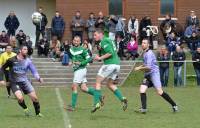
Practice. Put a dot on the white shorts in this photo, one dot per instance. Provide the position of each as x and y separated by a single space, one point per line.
80 76
109 71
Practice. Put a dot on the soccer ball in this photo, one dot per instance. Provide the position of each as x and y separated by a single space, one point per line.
36 17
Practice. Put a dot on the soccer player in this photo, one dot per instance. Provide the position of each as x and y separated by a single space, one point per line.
18 67
3 58
79 58
109 70
151 78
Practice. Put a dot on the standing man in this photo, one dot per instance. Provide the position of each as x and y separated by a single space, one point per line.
19 66
40 27
196 64
77 25
192 19
91 27
109 70
11 24
3 58
58 26
79 58
151 78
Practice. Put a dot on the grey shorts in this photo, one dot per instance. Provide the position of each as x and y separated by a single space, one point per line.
152 80
24 86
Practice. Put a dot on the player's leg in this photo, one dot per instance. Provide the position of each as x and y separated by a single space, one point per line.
157 84
143 97
74 97
86 89
97 93
7 83
36 103
117 93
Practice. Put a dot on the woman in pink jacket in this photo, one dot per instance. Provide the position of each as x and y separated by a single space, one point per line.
132 47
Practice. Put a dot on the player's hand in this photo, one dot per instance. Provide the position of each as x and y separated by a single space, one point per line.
2 83
41 80
97 58
137 68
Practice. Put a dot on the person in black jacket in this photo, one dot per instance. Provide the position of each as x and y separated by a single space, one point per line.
43 47
146 21
11 23
40 28
58 26
178 55
193 42
21 38
196 57
164 55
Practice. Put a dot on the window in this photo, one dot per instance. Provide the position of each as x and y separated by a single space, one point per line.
167 6
115 7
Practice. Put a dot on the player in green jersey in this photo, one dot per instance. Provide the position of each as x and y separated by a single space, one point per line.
109 70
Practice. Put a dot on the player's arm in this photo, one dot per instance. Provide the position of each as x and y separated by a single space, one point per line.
87 58
109 52
3 69
34 72
142 68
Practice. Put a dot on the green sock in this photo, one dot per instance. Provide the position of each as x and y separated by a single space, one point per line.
97 95
74 99
91 90
118 94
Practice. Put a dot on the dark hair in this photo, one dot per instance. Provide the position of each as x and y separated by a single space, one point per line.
77 37
8 45
99 30
22 46
147 40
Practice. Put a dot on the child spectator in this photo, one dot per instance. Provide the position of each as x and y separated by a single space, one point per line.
54 48
21 38
172 42
43 46
65 52
29 45
132 47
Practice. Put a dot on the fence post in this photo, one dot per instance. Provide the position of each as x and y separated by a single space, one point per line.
185 72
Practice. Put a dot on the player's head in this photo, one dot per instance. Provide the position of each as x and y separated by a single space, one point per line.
23 51
98 34
77 41
145 44
8 48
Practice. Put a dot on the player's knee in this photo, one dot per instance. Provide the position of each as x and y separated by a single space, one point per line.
159 92
142 89
84 88
20 99
74 88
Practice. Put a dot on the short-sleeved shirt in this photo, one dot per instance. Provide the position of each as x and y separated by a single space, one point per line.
108 46
150 61
5 56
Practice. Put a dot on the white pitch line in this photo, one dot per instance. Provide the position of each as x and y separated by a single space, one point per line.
64 113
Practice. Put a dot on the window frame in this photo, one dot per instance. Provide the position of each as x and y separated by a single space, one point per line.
159 9
123 7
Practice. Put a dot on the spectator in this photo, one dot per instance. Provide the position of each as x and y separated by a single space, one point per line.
133 26
178 55
167 24
88 46
65 52
91 27
163 55
21 38
11 24
196 64
58 26
132 47
192 19
101 21
120 27
55 48
193 42
146 21
13 43
172 42
43 47
29 46
189 30
120 46
112 26
40 28
77 25
4 41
